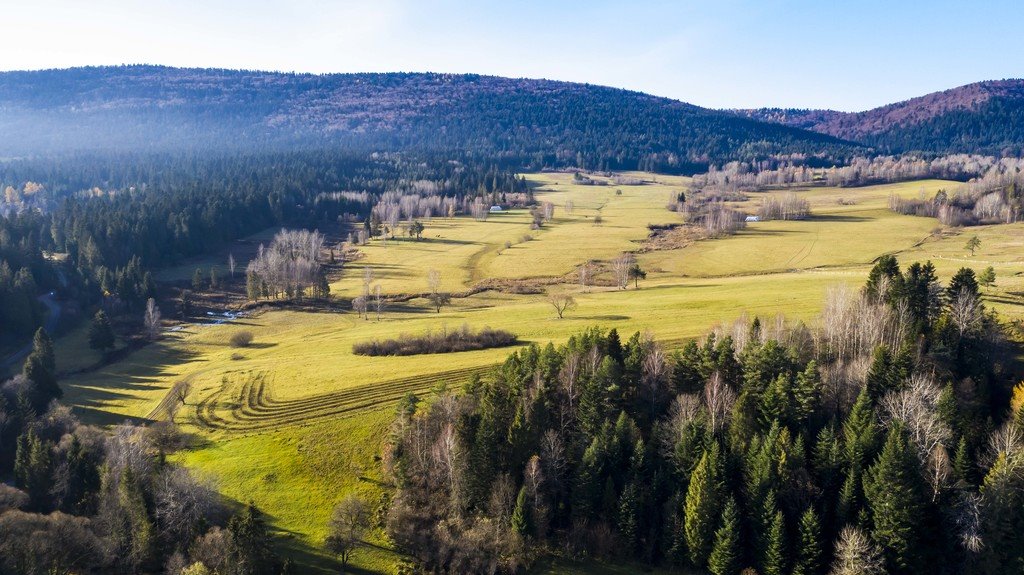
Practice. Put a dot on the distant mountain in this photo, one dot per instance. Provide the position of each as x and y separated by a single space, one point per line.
986 117
535 122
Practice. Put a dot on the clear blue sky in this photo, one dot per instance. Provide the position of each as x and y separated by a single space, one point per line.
848 55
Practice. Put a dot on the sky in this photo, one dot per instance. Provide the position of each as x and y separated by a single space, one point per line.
847 55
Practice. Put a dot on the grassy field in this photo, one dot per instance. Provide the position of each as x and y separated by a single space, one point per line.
294 421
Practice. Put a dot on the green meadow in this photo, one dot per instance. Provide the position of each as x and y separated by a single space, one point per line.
295 421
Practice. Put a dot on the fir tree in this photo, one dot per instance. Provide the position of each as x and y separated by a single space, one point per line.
520 523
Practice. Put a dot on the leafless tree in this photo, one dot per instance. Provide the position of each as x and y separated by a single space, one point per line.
719 399
182 504
562 302
917 407
570 388
586 270
552 458
548 209
348 525
290 264
569 206
180 391
152 320
939 470
360 304
378 300
965 311
621 266
856 554
231 265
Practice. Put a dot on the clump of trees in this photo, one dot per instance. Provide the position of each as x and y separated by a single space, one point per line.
288 267
788 206
445 341
879 441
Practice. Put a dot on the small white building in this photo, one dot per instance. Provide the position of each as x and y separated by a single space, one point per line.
753 219
496 209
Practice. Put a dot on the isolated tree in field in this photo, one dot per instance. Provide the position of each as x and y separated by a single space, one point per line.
101 334
636 273
415 229
562 302
378 300
586 270
347 527
197 280
180 391
987 277
437 298
360 305
151 320
231 265
973 244
621 266
185 303
214 278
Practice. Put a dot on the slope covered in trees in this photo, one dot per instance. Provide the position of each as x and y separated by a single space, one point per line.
529 122
880 442
980 118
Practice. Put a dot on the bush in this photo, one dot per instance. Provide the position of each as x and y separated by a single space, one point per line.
242 339
462 339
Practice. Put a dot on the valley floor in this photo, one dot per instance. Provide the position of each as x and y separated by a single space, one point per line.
296 421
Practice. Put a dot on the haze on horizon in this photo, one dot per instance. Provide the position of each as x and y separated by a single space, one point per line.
717 54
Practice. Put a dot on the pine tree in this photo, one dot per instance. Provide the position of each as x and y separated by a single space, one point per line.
963 465
879 379
726 553
251 540
895 495
703 504
33 469
809 553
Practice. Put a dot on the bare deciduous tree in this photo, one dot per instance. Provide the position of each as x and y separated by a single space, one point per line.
231 265
152 320
290 264
347 527
562 302
621 266
719 399
856 554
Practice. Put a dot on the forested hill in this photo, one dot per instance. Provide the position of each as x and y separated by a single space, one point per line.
985 118
532 122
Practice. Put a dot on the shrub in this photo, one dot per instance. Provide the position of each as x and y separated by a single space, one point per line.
462 339
241 339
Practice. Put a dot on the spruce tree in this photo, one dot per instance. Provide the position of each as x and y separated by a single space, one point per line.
775 557
703 504
520 523
726 553
895 494
809 553
101 334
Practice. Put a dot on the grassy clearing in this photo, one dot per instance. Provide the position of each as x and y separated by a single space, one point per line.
304 432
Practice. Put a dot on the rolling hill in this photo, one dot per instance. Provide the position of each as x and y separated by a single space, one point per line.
529 122
985 118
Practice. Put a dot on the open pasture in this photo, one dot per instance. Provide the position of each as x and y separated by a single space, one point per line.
295 420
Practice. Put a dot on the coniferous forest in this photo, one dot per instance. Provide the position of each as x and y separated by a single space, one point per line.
882 442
